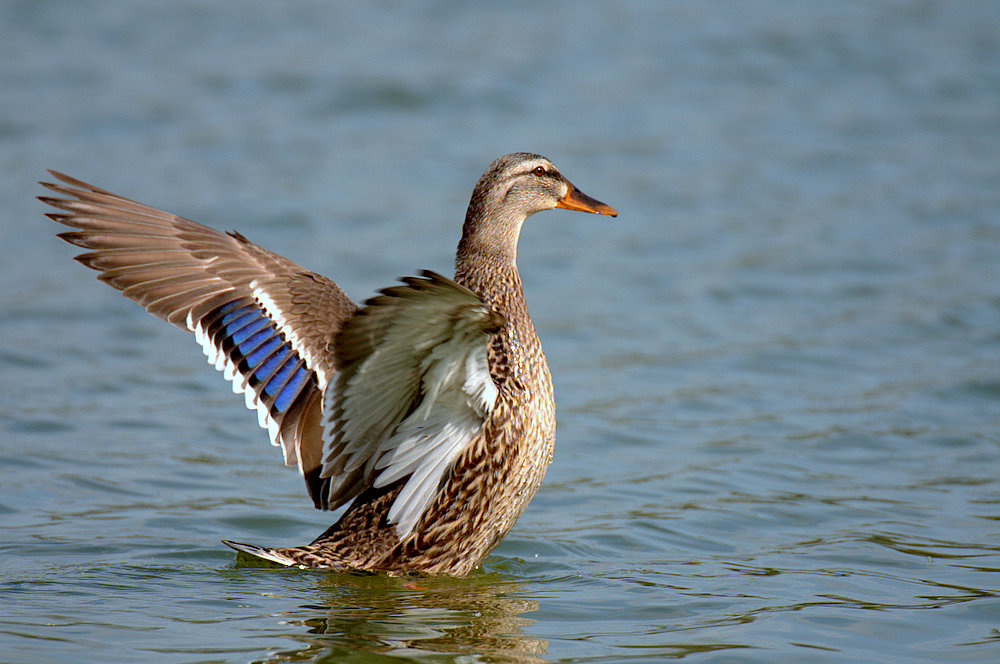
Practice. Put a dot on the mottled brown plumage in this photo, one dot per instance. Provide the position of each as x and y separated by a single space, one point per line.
429 410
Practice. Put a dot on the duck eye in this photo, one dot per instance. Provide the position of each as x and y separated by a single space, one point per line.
539 171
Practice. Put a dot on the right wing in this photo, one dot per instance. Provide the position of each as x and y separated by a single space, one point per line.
412 392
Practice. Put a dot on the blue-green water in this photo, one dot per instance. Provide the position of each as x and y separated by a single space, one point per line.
778 371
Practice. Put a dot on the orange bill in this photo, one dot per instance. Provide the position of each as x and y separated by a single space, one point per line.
577 200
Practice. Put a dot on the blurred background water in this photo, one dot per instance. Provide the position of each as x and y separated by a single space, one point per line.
777 370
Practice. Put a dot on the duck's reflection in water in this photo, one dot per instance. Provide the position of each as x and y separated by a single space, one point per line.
477 618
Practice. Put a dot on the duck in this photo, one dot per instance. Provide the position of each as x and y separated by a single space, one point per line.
425 414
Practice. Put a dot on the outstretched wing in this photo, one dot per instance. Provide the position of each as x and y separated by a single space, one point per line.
267 323
412 392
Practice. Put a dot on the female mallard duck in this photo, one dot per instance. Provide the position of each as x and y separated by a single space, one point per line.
429 409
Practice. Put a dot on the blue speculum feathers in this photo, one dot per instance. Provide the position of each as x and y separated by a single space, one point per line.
255 346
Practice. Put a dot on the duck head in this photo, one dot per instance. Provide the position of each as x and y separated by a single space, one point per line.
514 187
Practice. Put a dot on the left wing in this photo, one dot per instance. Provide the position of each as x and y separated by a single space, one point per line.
263 320
412 391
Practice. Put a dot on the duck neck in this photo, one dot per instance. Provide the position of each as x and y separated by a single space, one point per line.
515 349
493 277
486 260
489 270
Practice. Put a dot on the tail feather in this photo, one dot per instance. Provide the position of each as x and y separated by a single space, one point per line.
270 555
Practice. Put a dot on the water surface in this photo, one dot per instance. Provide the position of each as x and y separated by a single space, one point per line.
777 372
